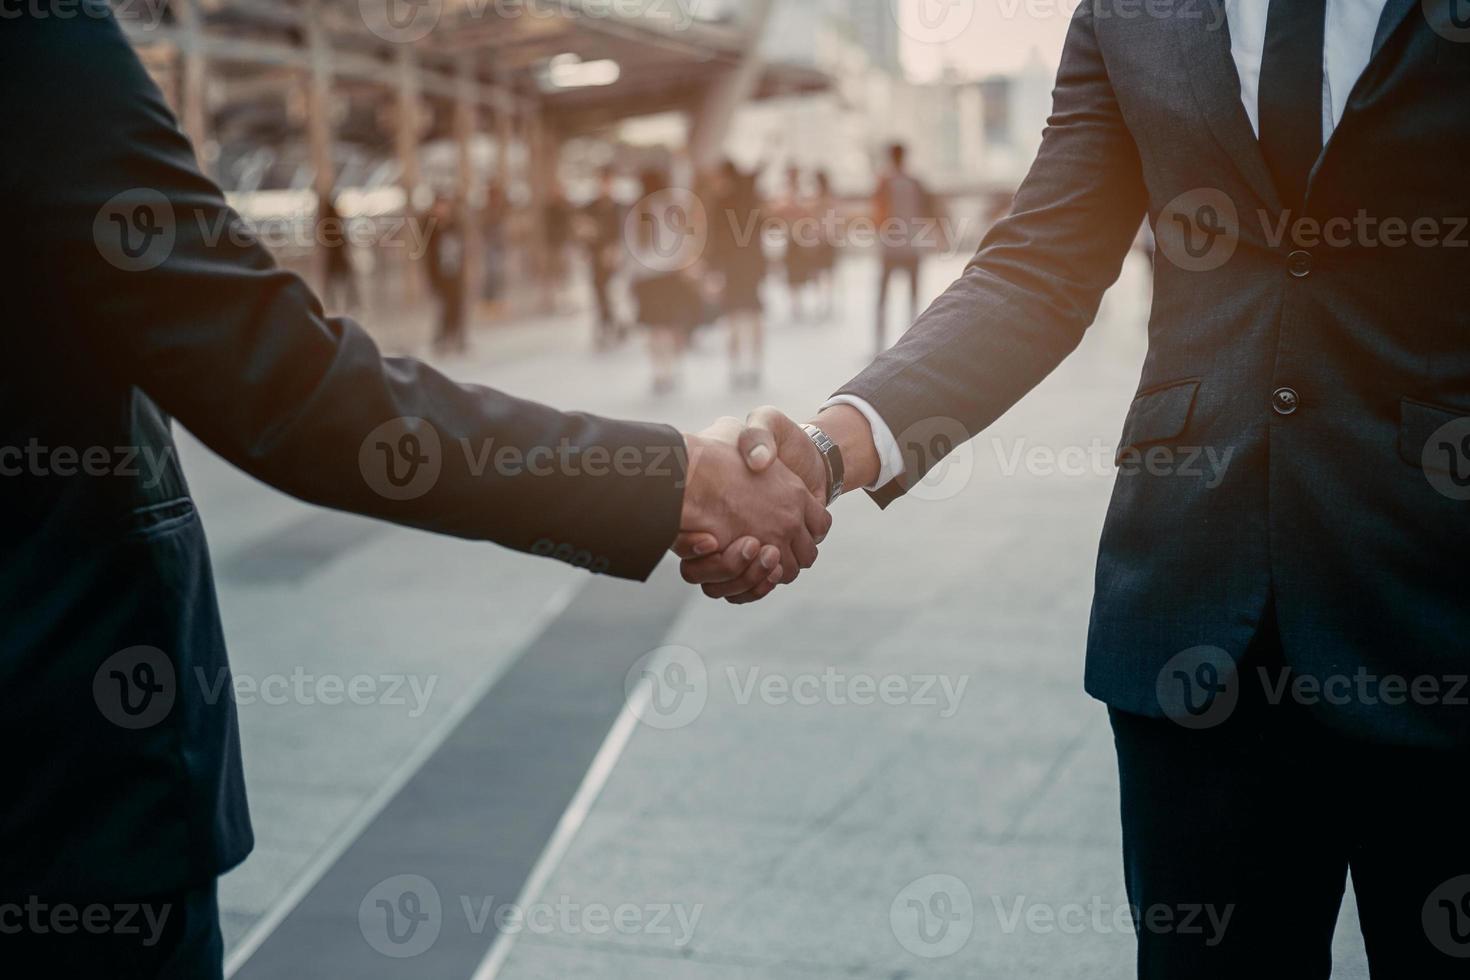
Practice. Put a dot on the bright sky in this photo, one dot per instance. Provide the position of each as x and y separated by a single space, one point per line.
980 37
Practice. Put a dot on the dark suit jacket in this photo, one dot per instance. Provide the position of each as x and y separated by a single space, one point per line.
1331 511
125 307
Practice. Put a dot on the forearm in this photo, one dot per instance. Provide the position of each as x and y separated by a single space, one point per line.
242 354
1025 300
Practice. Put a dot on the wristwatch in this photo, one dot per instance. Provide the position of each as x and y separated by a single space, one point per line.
832 456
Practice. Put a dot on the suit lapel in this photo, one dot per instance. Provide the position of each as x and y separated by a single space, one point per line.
1395 12
1216 84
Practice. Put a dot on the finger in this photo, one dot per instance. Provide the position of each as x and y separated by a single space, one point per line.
758 574
770 557
818 519
762 590
755 595
799 553
724 566
695 545
805 549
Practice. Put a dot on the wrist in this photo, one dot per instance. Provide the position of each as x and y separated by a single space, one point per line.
847 427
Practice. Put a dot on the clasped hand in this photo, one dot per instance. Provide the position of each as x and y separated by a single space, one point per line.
753 507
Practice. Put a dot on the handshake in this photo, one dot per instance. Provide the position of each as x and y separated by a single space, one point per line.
755 500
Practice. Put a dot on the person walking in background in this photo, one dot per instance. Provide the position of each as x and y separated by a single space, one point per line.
601 232
665 246
738 256
824 255
339 288
445 264
902 208
802 236
493 222
556 226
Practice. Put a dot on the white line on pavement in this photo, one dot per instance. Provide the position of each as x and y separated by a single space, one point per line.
571 822
384 795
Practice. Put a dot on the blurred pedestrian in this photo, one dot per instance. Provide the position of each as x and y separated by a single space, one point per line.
445 258
601 233
803 235
556 225
904 210
339 290
665 245
493 222
824 256
738 256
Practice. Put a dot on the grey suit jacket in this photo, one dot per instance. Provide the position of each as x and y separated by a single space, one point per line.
1331 360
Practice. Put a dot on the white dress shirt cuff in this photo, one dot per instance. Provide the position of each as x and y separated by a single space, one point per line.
890 456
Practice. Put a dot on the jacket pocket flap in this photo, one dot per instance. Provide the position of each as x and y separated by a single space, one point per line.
1435 438
1157 415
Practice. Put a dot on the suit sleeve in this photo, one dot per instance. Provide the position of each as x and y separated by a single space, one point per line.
161 285
1028 296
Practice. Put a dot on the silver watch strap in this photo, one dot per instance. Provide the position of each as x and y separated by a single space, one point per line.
829 452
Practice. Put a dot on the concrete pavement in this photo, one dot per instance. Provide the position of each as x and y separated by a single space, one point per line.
887 770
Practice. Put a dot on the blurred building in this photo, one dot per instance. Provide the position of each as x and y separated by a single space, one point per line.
385 104
967 135
981 134
875 26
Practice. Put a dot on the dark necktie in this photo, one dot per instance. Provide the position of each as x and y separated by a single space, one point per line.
1291 94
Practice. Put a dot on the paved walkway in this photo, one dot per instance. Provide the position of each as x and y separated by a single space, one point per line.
755 818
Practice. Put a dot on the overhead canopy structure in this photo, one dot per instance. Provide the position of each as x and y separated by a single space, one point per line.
309 82
234 65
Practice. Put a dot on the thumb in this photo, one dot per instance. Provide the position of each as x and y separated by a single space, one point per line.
771 431
761 438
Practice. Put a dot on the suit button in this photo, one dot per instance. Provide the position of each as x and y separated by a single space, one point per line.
1299 263
1285 401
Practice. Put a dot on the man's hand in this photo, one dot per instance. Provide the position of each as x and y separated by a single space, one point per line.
768 515
770 436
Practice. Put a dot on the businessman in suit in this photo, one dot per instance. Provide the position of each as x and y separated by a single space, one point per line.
132 298
1283 653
